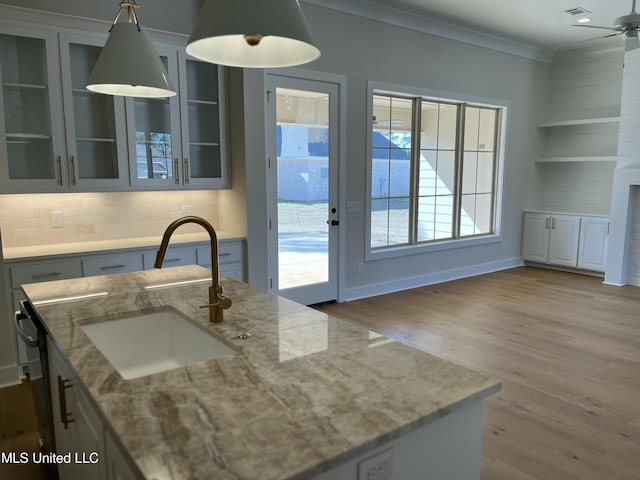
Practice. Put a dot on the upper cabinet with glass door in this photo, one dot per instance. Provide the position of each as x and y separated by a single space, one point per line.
203 114
180 141
96 147
32 149
56 136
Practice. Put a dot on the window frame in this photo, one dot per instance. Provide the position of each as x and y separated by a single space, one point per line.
374 88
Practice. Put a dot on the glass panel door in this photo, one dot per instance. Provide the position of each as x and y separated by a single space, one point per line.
203 115
304 188
95 138
157 138
26 105
203 108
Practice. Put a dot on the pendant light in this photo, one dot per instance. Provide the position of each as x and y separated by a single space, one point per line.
252 33
129 64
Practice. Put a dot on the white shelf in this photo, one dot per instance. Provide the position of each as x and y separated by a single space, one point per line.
576 159
24 85
578 121
202 102
28 136
96 139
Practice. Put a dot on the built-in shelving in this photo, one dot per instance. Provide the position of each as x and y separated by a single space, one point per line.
578 121
608 158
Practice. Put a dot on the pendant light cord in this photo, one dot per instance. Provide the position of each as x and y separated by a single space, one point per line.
131 6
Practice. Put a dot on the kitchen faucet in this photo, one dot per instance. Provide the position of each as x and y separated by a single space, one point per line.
217 301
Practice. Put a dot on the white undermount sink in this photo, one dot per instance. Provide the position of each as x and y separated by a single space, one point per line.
150 342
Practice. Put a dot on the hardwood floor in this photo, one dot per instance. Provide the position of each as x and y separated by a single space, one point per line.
19 433
567 349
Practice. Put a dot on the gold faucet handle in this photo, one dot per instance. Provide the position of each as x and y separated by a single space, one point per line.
221 301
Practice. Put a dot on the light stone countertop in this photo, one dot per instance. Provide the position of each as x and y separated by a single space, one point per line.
41 251
305 393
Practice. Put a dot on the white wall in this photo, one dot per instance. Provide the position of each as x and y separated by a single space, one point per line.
363 50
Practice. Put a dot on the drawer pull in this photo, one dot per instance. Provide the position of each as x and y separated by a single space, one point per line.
46 275
226 254
112 267
64 415
172 260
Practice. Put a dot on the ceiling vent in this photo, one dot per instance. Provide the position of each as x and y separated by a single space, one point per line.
578 11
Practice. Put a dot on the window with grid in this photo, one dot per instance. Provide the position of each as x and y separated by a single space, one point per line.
433 170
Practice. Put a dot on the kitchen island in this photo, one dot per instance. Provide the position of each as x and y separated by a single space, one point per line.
306 395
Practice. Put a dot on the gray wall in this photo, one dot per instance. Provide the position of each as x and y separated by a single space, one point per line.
364 49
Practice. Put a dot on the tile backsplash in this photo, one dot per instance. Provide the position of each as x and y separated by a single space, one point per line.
25 220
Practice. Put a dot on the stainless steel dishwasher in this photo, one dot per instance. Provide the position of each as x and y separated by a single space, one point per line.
32 332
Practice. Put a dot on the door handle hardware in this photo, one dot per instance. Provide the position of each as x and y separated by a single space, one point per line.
59 168
176 170
64 415
333 222
45 275
72 163
112 267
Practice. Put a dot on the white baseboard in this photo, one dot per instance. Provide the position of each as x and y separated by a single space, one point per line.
400 284
10 375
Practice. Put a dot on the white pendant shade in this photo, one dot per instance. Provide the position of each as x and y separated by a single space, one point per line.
252 33
130 66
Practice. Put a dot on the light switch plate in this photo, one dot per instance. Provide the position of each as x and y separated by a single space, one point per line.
57 219
353 207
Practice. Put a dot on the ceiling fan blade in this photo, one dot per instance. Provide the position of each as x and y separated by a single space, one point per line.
595 26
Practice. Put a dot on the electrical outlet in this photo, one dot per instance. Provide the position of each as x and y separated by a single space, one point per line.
360 268
186 209
377 467
57 219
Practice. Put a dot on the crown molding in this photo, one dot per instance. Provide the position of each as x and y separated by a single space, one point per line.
394 16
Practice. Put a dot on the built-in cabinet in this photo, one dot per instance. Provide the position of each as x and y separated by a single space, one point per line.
565 240
56 136
79 430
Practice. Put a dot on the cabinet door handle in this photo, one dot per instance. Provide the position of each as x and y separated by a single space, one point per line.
45 275
59 168
546 223
72 163
62 396
186 171
608 227
112 267
176 170
553 224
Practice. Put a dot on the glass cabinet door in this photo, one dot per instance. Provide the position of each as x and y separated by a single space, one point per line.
203 148
156 138
96 146
31 141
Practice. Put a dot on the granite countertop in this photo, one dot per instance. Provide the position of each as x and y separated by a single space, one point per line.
305 393
39 251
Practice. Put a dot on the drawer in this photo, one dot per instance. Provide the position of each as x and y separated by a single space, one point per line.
45 271
175 257
105 265
228 252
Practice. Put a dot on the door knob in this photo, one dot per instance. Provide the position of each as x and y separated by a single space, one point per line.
333 222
